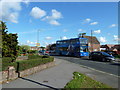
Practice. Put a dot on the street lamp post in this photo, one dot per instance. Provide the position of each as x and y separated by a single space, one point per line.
38 44
91 41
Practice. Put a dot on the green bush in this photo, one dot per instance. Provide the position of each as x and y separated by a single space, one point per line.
5 65
26 64
45 56
7 60
34 60
34 56
117 56
32 51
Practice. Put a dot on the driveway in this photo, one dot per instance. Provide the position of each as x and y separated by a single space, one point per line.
59 75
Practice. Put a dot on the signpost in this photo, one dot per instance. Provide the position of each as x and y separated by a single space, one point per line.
37 44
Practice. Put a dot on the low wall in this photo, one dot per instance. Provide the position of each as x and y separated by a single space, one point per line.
36 69
11 74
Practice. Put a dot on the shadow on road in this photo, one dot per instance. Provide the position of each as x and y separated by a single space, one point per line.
117 64
39 83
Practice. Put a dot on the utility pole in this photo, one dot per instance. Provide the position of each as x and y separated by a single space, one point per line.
91 41
38 44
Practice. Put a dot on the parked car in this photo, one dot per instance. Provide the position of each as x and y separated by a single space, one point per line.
111 53
47 53
101 56
44 52
41 52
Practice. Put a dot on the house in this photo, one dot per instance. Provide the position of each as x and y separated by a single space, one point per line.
35 48
93 43
117 47
111 47
106 47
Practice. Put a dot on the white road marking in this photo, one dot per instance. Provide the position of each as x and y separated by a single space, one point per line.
99 71
96 69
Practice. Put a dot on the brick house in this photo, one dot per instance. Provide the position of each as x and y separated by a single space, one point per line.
35 48
111 47
117 47
107 47
93 43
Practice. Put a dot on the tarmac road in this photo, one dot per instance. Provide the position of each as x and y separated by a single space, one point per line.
106 67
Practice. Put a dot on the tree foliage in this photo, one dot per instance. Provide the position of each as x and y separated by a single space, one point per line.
9 42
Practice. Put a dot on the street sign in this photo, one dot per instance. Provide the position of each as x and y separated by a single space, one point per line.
37 44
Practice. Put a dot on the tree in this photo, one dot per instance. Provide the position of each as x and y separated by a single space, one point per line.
24 48
42 47
9 42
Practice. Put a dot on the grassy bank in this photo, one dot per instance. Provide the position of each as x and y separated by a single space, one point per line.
82 81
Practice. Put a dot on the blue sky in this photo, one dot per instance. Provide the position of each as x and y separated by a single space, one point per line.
61 20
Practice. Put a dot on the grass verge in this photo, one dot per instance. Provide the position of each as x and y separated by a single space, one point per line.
82 81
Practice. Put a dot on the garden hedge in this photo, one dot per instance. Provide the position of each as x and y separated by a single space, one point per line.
34 60
7 61
26 64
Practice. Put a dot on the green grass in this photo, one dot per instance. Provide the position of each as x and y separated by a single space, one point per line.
82 81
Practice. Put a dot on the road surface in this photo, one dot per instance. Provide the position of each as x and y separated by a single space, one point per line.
97 65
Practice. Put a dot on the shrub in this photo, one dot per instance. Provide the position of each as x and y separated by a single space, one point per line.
26 64
34 60
45 56
32 51
117 56
7 61
34 56
5 65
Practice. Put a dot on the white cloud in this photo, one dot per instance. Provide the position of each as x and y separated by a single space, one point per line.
65 30
31 43
26 2
102 39
48 38
10 10
56 14
81 30
88 20
93 23
97 32
64 37
53 42
53 18
36 12
45 43
113 25
116 38
54 22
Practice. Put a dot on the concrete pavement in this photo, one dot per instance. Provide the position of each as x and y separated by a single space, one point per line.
59 75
